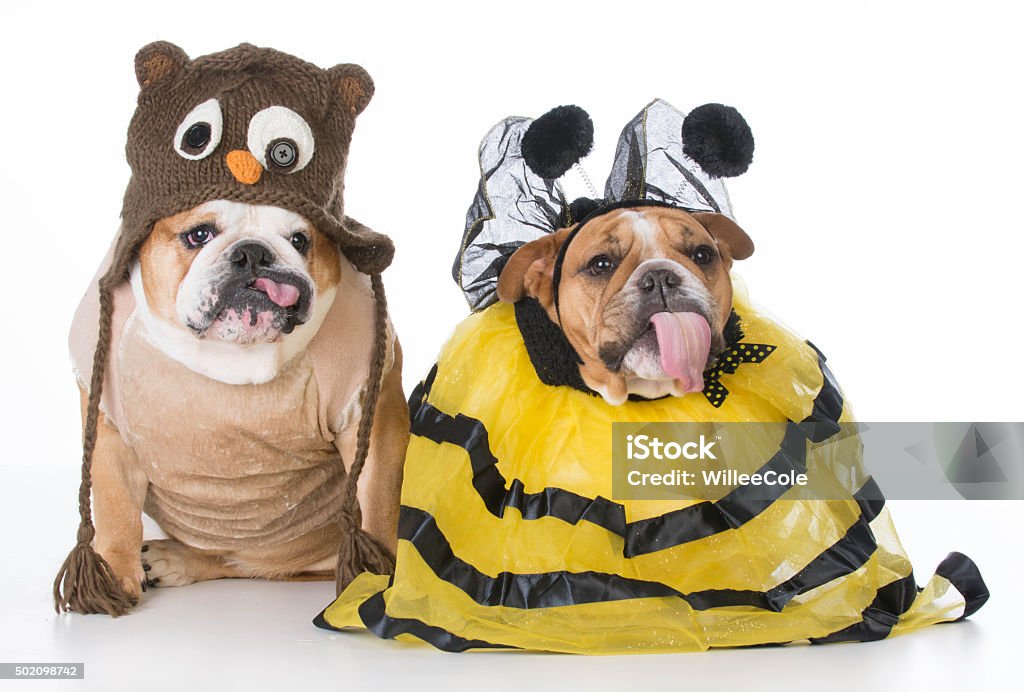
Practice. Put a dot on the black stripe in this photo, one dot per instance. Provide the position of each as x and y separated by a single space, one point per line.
560 588
537 590
964 575
870 499
890 602
321 622
823 422
704 519
470 434
420 393
377 620
878 619
844 557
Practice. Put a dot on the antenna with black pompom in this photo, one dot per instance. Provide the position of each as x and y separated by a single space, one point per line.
556 141
719 140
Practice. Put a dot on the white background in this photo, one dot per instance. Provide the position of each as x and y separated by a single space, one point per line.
883 199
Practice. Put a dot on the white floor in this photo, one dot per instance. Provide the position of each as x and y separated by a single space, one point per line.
258 635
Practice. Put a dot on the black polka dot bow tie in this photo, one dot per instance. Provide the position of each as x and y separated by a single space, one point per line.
728 362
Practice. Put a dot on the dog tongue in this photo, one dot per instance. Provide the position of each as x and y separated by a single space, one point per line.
284 295
684 341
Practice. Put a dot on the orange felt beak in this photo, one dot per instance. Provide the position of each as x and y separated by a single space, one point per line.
244 166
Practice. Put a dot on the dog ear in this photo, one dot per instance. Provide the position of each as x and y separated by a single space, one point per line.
727 232
529 272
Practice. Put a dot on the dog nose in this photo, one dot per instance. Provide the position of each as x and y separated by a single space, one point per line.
659 280
251 254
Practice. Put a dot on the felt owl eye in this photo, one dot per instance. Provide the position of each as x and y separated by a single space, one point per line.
280 139
199 133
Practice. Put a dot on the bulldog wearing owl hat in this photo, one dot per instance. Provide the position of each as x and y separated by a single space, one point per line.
240 378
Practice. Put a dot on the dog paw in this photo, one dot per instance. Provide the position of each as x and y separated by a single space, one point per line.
133 588
129 573
165 563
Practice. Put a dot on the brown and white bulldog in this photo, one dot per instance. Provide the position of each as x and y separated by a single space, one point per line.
240 350
641 293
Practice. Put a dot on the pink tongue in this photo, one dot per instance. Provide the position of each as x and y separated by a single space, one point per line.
284 295
684 341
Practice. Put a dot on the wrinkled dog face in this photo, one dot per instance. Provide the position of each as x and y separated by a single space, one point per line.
643 264
644 296
236 273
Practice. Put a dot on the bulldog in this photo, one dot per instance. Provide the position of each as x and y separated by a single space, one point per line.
239 375
642 294
242 345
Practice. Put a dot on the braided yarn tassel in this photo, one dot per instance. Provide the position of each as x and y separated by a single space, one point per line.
359 551
86 583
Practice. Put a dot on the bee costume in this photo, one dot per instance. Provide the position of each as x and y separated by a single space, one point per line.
506 538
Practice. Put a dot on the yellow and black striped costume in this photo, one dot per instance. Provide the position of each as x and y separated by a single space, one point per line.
507 540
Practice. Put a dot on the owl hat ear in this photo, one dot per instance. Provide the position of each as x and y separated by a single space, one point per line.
353 85
158 61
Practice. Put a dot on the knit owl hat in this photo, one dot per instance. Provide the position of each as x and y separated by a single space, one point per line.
250 125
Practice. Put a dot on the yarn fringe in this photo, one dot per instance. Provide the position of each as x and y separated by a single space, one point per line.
87 584
359 551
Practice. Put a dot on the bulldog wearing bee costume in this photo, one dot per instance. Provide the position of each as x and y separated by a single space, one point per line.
241 382
624 309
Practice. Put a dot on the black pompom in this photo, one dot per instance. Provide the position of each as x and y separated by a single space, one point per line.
719 139
581 207
557 140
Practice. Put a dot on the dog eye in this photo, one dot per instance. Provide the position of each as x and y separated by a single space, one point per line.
198 236
199 133
602 264
280 139
703 255
300 241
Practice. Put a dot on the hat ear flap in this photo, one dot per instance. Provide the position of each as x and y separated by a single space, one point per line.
352 85
557 140
157 61
370 251
718 139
